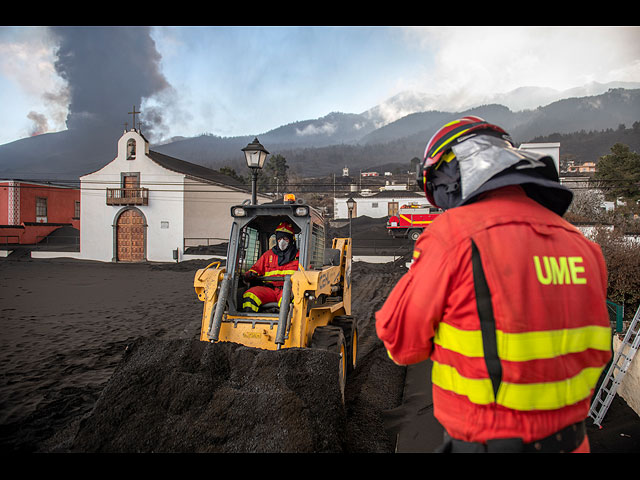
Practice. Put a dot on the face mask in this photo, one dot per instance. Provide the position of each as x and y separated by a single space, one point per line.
283 243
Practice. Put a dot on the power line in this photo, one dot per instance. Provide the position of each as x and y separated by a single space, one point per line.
63 183
310 188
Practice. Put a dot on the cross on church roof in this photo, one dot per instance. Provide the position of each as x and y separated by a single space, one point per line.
134 116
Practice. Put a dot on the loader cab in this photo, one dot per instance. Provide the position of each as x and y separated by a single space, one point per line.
253 233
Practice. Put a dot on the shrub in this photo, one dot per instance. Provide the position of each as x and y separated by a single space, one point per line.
622 256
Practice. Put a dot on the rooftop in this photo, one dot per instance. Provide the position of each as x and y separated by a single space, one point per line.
194 170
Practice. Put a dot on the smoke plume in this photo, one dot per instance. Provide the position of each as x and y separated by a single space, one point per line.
109 70
40 124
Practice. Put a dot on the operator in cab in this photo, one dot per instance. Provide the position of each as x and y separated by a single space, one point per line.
279 261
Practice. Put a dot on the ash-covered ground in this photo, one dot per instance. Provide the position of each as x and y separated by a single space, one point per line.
105 358
99 357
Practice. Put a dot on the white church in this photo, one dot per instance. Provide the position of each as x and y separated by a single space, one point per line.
146 206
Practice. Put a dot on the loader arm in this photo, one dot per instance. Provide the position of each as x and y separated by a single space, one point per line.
206 283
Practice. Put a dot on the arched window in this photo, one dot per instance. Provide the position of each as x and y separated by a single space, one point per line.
131 149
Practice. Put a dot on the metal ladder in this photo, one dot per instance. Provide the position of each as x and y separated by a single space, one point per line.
616 372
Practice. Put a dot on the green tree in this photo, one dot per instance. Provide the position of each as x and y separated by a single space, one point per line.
274 177
231 172
618 175
622 257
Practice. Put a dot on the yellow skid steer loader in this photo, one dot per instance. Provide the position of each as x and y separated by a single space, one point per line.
315 309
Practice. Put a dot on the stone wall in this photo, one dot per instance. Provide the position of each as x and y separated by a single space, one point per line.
629 389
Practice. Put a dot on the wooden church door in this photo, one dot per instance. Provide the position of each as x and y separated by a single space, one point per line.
130 236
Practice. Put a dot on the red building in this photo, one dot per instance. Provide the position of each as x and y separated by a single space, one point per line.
29 211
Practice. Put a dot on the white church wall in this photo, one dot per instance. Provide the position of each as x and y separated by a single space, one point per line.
207 208
163 214
181 211
96 232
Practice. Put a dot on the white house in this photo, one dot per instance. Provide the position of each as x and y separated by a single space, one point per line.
146 206
552 149
376 205
386 202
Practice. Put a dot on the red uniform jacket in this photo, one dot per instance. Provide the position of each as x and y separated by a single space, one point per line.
267 265
547 287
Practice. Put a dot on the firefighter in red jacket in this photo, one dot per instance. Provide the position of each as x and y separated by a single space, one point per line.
505 297
281 260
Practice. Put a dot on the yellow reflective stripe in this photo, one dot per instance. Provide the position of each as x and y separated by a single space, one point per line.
250 305
391 358
446 157
464 342
279 273
449 140
251 296
284 228
549 395
522 347
410 220
528 396
479 391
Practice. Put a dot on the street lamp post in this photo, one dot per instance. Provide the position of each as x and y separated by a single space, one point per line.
255 155
350 204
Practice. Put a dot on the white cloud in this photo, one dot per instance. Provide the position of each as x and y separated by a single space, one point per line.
28 75
322 129
481 61
455 66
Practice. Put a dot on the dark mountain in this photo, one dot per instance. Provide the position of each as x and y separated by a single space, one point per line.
61 155
325 145
332 129
555 122
589 146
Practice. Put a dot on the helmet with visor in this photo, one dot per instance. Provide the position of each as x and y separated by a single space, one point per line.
438 149
469 156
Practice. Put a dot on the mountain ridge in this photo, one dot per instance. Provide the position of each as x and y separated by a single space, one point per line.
64 154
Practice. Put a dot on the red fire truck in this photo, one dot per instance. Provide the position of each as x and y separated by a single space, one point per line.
411 220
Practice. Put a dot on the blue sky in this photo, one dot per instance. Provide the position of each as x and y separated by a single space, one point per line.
247 80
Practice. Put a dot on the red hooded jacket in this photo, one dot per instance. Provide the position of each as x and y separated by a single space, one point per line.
547 289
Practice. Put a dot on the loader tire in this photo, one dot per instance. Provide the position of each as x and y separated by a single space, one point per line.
331 338
348 325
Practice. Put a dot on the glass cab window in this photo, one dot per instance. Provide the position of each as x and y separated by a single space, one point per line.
316 246
249 252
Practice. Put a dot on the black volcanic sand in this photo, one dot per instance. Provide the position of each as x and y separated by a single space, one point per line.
190 396
102 357
371 237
